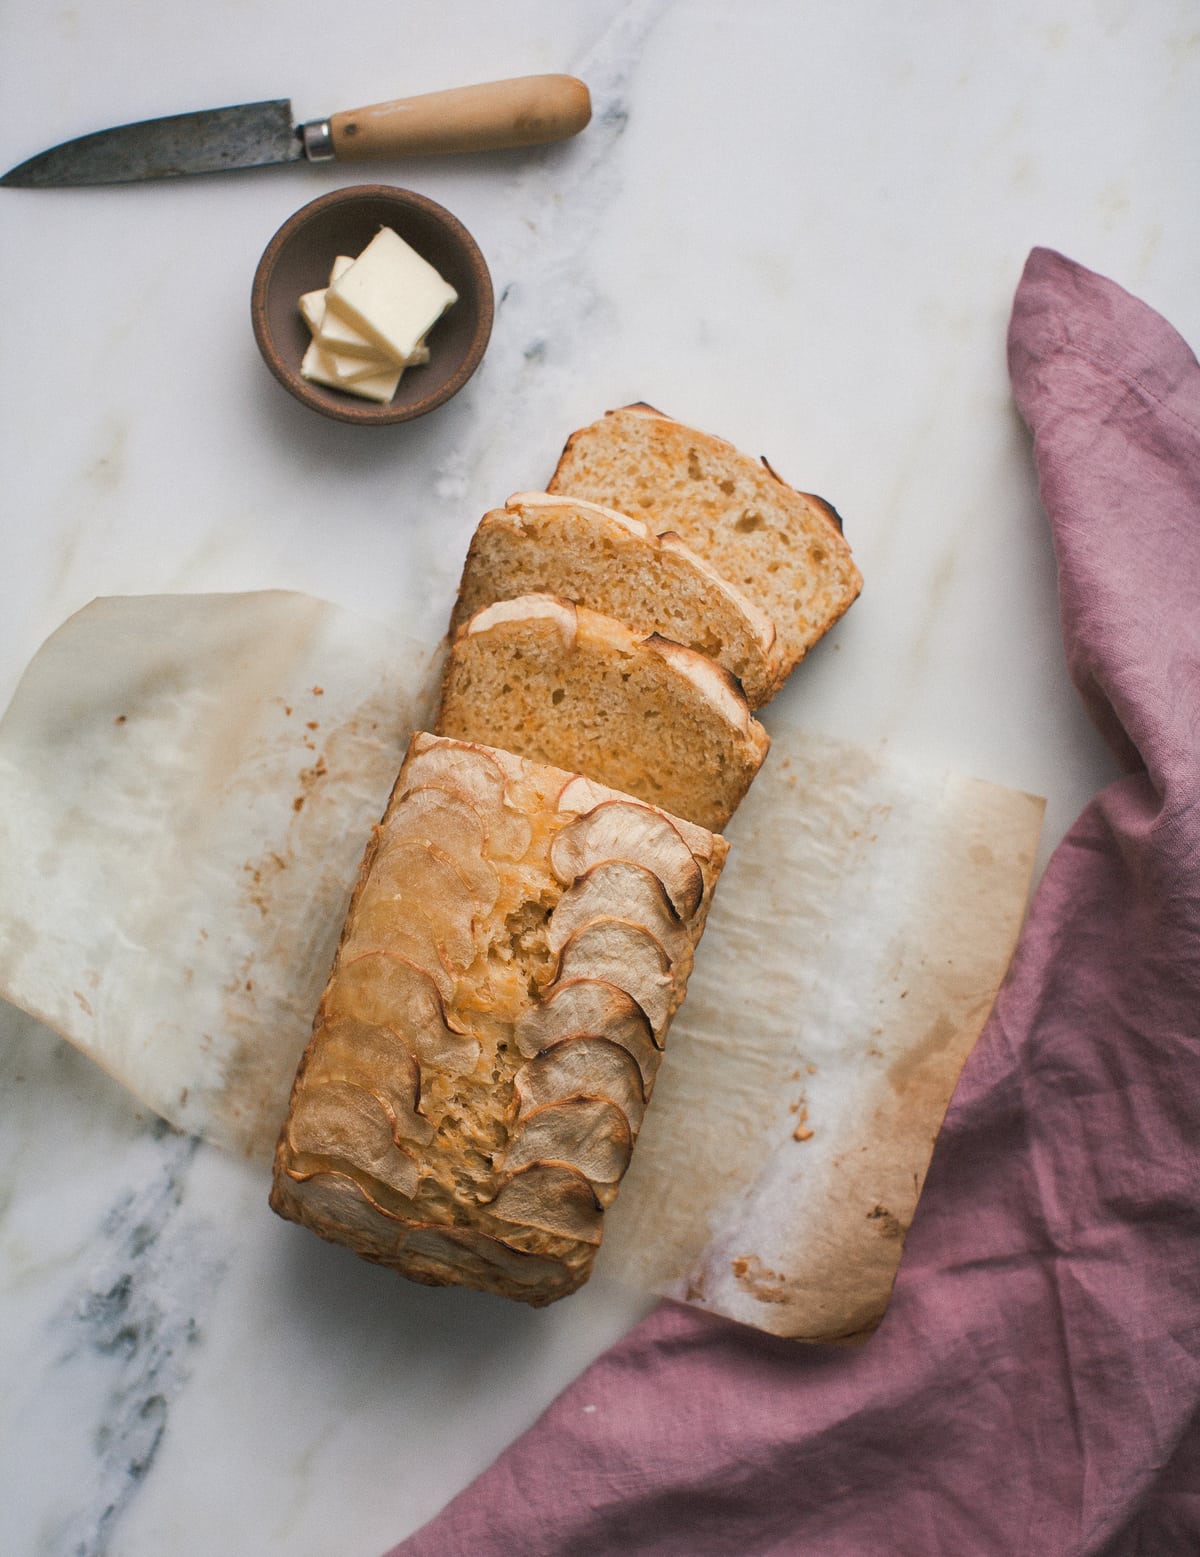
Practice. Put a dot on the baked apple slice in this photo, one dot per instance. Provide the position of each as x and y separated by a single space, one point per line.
626 830
376 1059
619 889
582 1068
389 991
336 1124
588 1134
590 1008
551 1197
624 954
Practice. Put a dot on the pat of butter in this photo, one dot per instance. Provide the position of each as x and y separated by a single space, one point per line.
338 335
419 355
391 295
334 333
312 309
341 339
369 380
379 385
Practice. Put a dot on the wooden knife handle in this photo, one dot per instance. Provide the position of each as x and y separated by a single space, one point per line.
526 111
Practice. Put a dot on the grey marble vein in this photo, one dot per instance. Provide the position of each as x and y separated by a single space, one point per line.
138 1317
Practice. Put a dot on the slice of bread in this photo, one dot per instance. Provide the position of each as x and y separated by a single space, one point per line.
567 686
615 564
783 548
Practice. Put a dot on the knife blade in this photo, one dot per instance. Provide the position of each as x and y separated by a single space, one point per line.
523 111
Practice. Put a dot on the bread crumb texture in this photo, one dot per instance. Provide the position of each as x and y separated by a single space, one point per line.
518 941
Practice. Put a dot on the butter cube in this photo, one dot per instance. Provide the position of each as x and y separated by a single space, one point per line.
337 334
380 385
376 383
334 333
348 369
312 309
318 365
391 295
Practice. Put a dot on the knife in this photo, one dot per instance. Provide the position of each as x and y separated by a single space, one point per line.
525 111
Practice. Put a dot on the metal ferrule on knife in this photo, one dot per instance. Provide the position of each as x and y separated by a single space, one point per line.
317 138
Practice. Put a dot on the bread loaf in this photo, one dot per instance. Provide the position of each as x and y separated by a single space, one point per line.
782 548
527 912
516 946
567 686
616 565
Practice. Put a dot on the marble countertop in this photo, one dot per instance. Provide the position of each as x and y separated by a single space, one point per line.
798 227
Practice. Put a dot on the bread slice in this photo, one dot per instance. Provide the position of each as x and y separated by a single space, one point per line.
563 685
782 548
516 946
615 564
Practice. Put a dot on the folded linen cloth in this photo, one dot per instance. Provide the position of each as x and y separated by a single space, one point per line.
1035 1385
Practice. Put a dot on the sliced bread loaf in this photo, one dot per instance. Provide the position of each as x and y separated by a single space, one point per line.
567 686
615 564
782 548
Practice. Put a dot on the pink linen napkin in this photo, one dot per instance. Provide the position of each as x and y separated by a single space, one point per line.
1035 1386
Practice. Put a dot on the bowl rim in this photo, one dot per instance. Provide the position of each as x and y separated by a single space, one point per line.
363 413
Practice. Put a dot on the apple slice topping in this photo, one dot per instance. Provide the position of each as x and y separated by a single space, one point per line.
398 856
459 1246
435 815
585 1068
337 1123
413 891
552 1197
625 830
584 794
378 934
590 1008
376 1059
336 1205
588 1134
619 889
386 990
628 956
472 774
581 793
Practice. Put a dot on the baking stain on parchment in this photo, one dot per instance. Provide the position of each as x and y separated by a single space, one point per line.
294 899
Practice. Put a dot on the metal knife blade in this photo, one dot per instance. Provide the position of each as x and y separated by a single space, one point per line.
526 111
215 140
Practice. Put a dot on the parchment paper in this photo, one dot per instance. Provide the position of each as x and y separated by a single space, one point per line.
186 787
859 934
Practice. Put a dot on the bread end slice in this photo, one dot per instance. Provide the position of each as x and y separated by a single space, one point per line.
783 548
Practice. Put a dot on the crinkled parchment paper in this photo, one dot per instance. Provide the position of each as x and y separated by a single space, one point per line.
859 933
187 783
186 787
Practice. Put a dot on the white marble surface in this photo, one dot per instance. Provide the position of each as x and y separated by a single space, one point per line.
797 226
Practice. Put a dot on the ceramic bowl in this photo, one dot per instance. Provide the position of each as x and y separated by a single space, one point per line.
298 259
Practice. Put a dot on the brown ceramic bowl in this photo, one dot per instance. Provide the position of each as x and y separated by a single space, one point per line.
298 259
